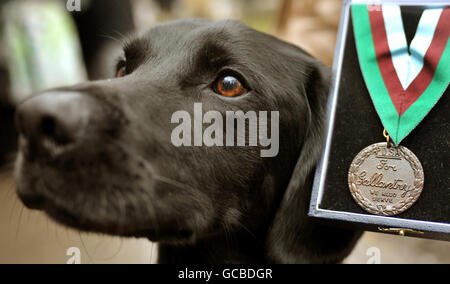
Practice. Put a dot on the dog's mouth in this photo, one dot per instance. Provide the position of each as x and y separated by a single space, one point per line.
75 220
109 204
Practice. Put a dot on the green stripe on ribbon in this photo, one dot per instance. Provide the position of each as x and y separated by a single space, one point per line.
417 112
371 72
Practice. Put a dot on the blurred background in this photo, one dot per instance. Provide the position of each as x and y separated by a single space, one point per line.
50 43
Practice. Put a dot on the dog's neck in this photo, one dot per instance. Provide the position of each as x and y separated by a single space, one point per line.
242 247
245 245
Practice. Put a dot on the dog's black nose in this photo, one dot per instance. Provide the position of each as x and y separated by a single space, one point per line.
51 120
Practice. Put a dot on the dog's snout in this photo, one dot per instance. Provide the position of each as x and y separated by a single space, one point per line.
51 119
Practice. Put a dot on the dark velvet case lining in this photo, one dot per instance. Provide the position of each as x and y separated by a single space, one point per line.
357 126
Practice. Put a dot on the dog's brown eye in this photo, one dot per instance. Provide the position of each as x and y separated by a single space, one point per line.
229 86
122 71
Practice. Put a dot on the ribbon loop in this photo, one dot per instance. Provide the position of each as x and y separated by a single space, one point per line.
403 82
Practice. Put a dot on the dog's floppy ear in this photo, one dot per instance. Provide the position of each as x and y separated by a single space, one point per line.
294 237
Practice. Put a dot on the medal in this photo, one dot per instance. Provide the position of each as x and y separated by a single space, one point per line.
385 180
404 85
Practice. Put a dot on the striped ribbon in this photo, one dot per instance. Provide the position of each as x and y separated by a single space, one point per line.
404 83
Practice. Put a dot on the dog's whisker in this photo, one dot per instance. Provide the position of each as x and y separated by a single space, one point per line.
151 253
151 210
8 187
67 233
121 35
7 193
12 211
29 214
112 38
171 182
12 195
247 229
117 252
227 233
98 244
48 225
19 222
56 232
120 203
102 241
245 216
85 248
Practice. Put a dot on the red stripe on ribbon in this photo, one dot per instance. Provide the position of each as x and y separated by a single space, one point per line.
431 60
403 99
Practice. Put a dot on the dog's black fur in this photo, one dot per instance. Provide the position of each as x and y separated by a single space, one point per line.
123 176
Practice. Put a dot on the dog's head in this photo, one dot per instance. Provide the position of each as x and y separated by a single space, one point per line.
101 156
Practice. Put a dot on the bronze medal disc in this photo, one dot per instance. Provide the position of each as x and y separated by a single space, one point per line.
385 181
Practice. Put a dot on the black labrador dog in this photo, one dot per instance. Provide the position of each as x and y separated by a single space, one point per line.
99 156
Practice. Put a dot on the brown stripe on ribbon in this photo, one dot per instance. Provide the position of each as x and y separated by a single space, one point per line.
431 60
384 57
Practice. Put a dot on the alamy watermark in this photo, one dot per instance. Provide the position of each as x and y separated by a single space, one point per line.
228 131
374 255
75 255
73 5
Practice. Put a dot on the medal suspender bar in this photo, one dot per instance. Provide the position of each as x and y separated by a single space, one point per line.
386 163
